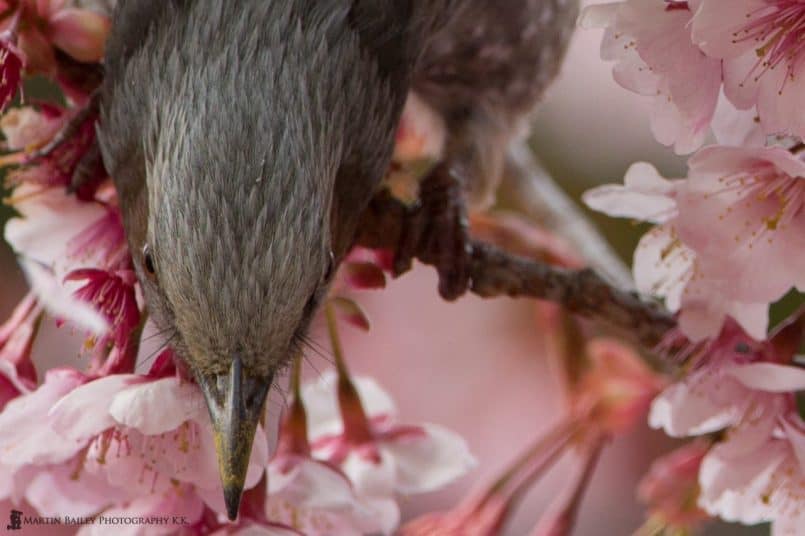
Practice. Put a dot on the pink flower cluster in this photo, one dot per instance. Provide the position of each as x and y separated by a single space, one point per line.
727 242
684 54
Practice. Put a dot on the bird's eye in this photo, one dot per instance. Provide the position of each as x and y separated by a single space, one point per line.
148 262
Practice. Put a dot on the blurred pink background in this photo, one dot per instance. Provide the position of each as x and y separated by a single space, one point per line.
478 366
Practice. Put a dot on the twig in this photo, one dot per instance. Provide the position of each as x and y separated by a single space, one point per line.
495 272
535 193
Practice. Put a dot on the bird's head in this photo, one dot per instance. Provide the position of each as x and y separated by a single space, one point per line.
235 257
239 163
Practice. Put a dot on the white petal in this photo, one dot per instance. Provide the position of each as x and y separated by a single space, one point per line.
371 479
662 265
323 414
49 221
704 402
59 301
312 484
734 488
645 196
157 406
428 462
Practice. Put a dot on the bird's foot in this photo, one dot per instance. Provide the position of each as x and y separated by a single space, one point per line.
437 229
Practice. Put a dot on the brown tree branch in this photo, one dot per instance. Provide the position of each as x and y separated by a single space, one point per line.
495 272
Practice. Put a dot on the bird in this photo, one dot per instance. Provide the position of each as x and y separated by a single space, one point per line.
245 139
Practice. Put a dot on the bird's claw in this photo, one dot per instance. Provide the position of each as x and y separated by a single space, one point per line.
437 229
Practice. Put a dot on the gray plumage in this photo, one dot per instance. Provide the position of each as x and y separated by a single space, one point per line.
246 138
240 138
485 71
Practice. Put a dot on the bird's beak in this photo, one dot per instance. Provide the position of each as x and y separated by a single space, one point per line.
235 401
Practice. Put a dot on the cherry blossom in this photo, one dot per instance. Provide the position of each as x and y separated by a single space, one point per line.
355 429
310 495
761 46
49 224
651 44
754 474
667 266
749 201
113 295
105 432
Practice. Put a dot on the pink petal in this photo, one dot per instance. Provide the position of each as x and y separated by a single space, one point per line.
12 61
732 126
374 483
129 460
84 413
371 479
794 428
779 102
683 81
48 222
26 126
79 32
180 502
770 377
716 21
706 302
65 489
25 436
